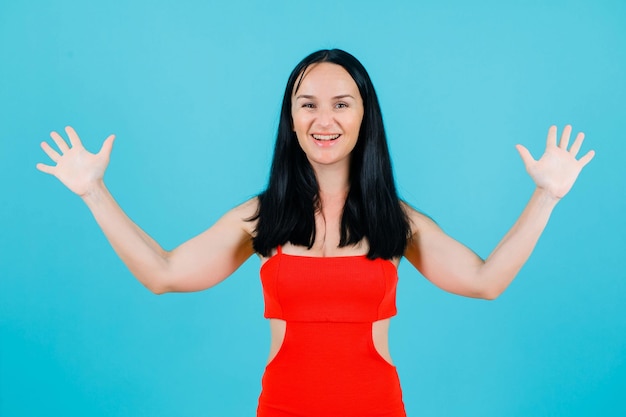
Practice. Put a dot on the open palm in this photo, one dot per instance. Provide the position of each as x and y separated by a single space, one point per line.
77 168
557 169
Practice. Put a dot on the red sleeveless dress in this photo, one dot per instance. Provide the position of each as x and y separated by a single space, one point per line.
327 365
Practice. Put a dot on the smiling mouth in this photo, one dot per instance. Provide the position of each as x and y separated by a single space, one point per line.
325 137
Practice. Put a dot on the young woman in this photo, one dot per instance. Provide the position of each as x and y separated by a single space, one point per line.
330 231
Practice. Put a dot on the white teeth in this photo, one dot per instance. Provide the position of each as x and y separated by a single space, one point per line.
325 137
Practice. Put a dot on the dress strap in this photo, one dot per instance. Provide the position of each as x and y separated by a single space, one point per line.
279 250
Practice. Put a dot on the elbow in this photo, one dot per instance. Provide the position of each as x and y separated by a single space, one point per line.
491 286
490 294
159 281
158 290
162 286
158 286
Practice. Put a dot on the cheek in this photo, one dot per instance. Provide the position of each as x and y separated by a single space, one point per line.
298 122
356 126
299 135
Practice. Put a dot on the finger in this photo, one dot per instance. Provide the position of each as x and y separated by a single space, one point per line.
587 158
45 168
61 144
551 140
527 158
74 139
567 131
578 142
54 155
107 146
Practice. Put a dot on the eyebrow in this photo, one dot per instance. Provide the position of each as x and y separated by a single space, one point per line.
310 97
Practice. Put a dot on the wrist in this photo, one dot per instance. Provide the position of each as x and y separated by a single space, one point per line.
94 191
546 196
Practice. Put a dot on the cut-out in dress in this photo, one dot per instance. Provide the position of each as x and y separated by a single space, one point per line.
328 365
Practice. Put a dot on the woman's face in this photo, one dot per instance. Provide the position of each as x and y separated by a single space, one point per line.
327 111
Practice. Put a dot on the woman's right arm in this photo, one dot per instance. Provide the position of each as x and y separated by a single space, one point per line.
197 264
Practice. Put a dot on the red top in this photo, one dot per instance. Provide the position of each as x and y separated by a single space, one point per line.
329 289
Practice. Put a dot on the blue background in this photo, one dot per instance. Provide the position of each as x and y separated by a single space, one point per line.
193 88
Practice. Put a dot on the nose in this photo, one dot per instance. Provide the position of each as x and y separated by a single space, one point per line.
325 117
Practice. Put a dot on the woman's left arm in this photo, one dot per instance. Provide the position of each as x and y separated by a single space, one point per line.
455 268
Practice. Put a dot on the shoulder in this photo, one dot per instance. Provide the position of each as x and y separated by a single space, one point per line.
244 215
248 208
418 221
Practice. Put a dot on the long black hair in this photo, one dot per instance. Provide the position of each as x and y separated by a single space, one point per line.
372 209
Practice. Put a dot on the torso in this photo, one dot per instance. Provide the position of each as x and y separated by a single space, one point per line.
380 328
329 320
327 245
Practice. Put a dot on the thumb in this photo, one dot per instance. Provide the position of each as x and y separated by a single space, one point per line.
587 158
527 158
107 146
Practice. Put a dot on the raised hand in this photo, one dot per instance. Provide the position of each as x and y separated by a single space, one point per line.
78 169
557 169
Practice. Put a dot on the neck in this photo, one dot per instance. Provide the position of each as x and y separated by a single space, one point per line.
332 181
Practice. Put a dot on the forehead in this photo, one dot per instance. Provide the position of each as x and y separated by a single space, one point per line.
326 78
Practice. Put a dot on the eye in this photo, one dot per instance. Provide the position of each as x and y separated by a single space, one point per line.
308 105
341 105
